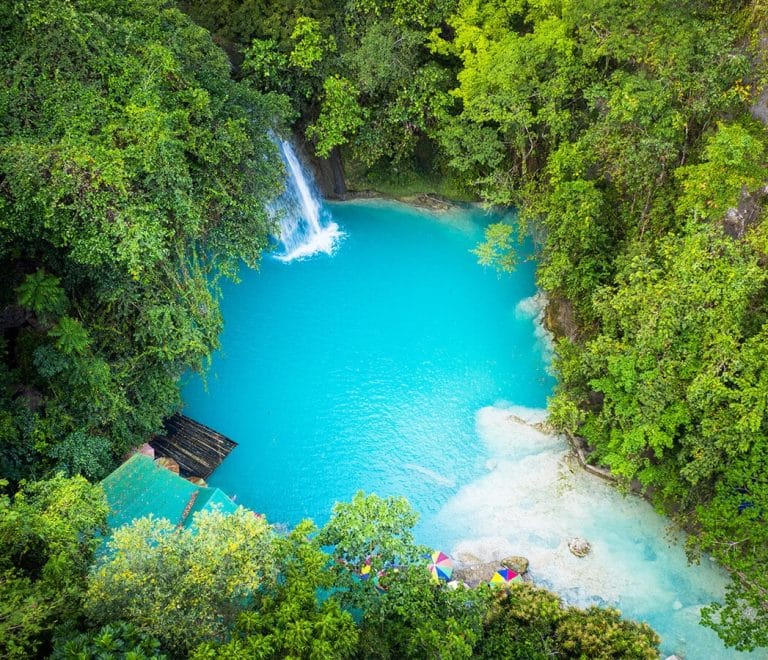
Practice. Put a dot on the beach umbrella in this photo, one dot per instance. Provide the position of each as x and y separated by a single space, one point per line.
504 576
440 566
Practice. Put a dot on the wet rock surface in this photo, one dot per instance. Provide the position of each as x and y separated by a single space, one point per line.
472 571
475 574
516 563
579 547
468 558
429 201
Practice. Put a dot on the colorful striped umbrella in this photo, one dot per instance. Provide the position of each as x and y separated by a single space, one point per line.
440 566
504 576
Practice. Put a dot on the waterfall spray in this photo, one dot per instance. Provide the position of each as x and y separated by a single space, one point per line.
306 227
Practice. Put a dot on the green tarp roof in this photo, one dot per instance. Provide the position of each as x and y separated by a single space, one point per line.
140 487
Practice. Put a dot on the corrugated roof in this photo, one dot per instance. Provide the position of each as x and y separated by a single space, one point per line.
139 487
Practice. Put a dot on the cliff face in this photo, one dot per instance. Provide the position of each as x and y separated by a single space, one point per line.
328 172
560 319
759 107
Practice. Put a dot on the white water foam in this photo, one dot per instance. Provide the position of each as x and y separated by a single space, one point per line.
325 241
534 308
305 226
535 498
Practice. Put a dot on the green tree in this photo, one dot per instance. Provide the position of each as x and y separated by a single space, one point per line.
380 570
80 453
414 617
498 248
71 336
371 532
288 618
42 293
340 116
310 46
135 173
733 163
48 537
734 532
182 586
529 623
601 633
115 641
668 358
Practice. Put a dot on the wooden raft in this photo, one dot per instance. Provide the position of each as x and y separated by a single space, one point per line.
197 449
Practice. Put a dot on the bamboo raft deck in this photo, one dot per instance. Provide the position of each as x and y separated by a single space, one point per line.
197 449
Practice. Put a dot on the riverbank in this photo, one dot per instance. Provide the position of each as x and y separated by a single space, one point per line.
427 201
340 178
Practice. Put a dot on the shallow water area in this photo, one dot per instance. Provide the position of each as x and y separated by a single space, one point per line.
535 497
399 366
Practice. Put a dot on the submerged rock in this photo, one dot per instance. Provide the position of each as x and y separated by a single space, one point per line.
516 563
468 558
544 427
491 464
579 547
429 201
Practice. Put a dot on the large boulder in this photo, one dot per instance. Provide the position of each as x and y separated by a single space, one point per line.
516 563
475 574
579 547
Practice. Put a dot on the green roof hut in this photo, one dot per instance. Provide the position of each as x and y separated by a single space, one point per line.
140 487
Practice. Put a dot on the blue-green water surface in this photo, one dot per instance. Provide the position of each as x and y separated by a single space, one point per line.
400 366
364 370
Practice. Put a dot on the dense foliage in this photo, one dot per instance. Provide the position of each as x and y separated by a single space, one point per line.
48 537
234 588
182 586
135 169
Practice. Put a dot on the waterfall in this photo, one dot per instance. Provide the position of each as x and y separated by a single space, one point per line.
306 227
